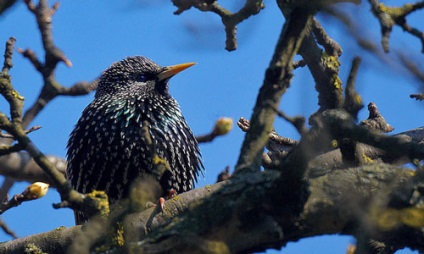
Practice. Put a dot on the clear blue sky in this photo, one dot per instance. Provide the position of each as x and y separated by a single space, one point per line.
94 34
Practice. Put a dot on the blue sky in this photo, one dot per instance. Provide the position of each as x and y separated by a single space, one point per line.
93 35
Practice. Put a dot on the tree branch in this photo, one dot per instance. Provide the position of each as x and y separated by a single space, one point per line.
229 20
236 214
6 4
389 16
21 167
277 80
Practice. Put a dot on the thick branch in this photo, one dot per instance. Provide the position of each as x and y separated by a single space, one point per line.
237 214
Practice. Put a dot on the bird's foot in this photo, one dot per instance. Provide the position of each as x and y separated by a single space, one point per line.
172 193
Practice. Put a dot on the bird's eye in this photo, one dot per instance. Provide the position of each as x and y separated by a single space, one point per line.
141 77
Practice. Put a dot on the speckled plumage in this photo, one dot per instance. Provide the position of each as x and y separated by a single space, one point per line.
106 150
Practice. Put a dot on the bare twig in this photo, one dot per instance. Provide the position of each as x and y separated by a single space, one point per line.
5 187
21 167
6 4
222 126
277 79
79 88
299 64
7 230
33 191
277 146
364 43
229 19
53 55
224 175
15 128
8 56
32 57
6 135
330 45
6 89
298 122
411 67
4 149
390 16
353 102
419 97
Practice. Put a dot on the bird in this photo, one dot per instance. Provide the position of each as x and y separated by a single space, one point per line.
107 150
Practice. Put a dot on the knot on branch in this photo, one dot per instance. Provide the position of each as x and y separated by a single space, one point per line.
375 120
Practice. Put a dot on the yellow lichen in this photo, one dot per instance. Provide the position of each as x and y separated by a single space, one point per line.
215 247
330 62
100 201
157 160
412 216
176 198
17 95
389 218
367 159
118 238
337 82
60 228
357 98
396 12
33 249
385 219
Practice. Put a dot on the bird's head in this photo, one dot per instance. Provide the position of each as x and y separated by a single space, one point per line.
137 75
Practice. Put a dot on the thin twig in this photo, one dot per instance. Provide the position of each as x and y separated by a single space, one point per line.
418 97
390 16
8 56
330 45
224 175
299 64
33 128
230 20
7 230
5 149
222 126
353 102
46 67
32 192
5 188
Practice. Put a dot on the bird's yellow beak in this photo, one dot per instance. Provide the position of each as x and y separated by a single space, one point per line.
170 71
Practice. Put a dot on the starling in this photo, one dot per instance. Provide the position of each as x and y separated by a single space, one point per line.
107 151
